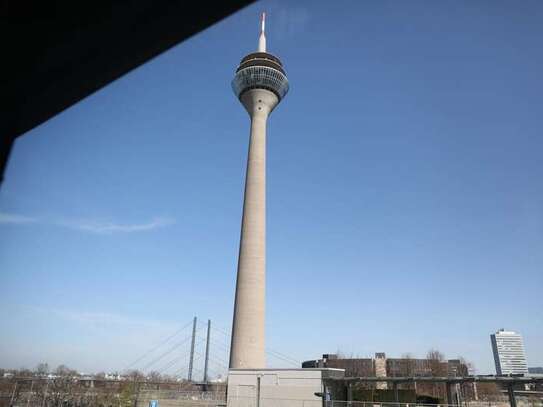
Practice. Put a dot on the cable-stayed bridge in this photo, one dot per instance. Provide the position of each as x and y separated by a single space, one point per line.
197 352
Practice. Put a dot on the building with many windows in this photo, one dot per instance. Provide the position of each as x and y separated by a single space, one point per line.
381 366
509 356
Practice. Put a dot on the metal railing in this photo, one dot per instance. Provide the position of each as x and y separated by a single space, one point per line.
183 395
354 403
286 402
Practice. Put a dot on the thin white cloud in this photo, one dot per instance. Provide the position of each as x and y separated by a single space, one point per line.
15 219
89 225
99 227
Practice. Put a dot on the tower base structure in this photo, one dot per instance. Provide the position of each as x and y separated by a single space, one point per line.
279 387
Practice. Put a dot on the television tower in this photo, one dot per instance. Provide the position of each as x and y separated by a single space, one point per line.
260 83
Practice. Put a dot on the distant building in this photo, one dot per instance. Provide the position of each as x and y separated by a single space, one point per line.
381 366
535 370
509 356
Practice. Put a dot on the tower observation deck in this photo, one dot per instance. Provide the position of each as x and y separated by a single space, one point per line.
260 70
260 83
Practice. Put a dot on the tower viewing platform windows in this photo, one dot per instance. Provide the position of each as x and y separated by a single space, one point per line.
260 77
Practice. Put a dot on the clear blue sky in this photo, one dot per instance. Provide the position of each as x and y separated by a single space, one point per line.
405 193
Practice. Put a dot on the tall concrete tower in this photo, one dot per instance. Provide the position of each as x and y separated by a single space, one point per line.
260 84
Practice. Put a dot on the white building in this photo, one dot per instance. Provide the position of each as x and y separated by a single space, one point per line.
509 356
279 387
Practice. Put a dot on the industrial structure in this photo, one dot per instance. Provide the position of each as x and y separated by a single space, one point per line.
509 355
260 84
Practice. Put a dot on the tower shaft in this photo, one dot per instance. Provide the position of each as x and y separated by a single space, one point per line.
248 348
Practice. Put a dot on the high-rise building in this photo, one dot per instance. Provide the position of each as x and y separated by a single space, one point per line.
509 356
260 84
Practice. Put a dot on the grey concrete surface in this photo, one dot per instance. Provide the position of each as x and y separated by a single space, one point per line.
248 345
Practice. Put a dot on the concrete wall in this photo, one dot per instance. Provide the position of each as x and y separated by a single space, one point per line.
277 387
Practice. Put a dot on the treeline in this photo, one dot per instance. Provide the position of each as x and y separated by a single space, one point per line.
65 387
42 370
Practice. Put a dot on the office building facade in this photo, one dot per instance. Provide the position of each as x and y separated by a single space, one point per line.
509 355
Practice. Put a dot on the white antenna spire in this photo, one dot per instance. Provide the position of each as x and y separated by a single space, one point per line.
262 38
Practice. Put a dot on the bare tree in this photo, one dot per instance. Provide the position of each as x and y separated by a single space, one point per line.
63 370
408 368
436 363
42 369
169 378
409 365
154 376
437 368
488 391
24 372
466 367
135 375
